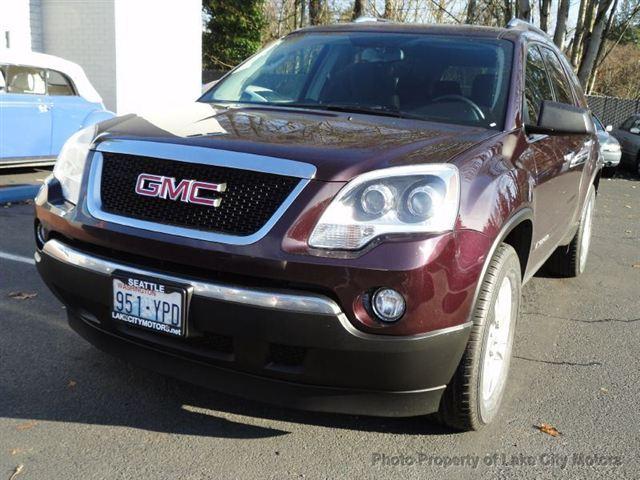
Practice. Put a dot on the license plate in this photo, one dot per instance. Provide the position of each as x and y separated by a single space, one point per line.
149 304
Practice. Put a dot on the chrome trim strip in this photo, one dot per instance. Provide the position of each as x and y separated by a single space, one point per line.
209 156
274 300
270 299
94 201
348 326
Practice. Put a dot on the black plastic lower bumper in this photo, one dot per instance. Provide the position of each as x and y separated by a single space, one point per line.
305 360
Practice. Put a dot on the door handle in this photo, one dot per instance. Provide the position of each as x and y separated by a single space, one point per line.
43 108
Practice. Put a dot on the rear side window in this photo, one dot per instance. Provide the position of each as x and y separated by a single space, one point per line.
59 84
629 123
561 84
29 80
635 125
537 87
3 83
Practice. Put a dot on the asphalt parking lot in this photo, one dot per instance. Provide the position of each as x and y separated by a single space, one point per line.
70 411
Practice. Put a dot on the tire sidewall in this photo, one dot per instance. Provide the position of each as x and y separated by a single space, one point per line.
591 198
510 267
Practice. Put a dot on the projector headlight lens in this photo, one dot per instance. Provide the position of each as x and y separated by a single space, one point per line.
376 199
398 200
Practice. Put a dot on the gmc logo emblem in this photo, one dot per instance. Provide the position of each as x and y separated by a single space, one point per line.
187 191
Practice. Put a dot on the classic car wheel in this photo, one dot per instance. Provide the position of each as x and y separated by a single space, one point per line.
473 397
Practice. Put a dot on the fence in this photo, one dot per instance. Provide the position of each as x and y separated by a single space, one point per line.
613 110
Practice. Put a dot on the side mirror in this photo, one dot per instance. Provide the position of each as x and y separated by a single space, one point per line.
560 118
635 130
609 128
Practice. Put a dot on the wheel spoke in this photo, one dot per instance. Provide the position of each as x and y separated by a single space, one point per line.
494 363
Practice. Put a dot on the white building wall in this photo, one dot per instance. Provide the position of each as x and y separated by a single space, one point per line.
158 53
35 9
84 32
140 55
15 27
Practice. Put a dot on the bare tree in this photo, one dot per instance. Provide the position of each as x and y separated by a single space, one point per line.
358 9
592 45
391 9
631 16
524 10
315 12
507 8
582 27
594 71
561 22
545 12
471 11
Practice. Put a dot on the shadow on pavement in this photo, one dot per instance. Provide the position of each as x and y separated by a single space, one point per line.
49 373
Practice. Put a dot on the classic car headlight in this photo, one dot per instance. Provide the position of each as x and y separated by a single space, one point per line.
397 200
71 161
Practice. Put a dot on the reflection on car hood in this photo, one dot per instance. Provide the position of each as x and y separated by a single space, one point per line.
340 145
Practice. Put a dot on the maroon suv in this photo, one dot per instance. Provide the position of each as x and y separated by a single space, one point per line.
342 223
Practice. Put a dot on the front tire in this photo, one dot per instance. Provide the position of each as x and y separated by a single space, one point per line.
473 397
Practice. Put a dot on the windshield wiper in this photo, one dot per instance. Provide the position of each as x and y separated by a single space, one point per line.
350 108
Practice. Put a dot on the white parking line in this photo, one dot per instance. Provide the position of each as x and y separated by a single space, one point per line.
17 258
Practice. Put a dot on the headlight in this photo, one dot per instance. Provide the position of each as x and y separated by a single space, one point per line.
611 147
397 200
70 164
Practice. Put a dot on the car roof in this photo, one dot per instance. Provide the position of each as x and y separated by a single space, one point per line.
417 28
41 60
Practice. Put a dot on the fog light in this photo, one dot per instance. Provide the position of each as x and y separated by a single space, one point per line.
41 236
388 304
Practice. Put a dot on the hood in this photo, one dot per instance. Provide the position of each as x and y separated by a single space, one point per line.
339 145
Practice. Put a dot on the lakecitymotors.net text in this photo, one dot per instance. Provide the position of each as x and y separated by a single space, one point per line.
496 459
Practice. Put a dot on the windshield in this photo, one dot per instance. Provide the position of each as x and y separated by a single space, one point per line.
444 79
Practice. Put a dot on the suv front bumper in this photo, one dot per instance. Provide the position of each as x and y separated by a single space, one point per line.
290 348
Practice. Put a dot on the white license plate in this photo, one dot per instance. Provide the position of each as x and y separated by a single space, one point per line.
149 304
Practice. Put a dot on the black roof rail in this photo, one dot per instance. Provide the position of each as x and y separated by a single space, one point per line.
518 24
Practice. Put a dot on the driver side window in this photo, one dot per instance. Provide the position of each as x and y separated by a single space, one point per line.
537 87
